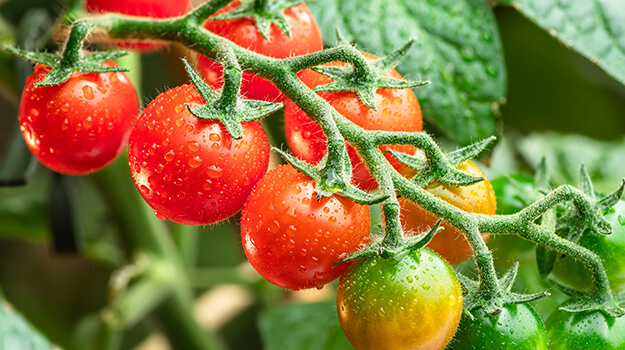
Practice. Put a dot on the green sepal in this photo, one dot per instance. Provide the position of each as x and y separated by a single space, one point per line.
422 240
587 302
329 182
443 171
469 152
63 70
347 79
611 199
264 14
493 301
585 183
244 111
340 38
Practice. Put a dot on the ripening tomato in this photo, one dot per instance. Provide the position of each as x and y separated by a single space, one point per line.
411 301
191 170
398 110
450 243
610 248
305 38
516 327
292 239
80 125
585 330
142 8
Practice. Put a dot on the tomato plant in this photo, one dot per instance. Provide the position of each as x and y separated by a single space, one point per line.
397 110
305 37
292 238
476 198
515 327
412 301
586 330
80 126
189 170
143 8
610 248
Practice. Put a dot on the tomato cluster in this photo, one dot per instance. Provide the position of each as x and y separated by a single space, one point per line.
193 171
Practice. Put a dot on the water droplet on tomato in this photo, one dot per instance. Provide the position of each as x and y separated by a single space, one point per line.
179 108
296 189
169 156
214 172
193 146
87 123
50 104
195 162
87 91
144 190
166 122
160 216
332 220
386 112
214 137
397 101
65 124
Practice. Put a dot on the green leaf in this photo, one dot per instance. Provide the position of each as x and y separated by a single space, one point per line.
16 333
457 49
594 28
305 326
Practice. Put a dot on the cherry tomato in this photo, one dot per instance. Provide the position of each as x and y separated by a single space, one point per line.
81 125
398 110
412 301
292 239
450 243
190 170
305 38
142 8
586 330
610 248
516 327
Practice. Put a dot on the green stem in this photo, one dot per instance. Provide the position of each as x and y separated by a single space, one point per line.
232 78
144 233
73 47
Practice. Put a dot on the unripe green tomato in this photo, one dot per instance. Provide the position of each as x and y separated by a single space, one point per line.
412 301
516 327
585 331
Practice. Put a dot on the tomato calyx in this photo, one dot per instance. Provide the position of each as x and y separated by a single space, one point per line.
228 107
366 79
590 301
72 60
394 250
265 13
329 181
493 301
444 168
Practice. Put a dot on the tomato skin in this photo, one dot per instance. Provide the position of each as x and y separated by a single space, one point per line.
610 248
142 8
586 330
398 110
189 170
516 327
81 125
450 243
409 302
292 239
305 38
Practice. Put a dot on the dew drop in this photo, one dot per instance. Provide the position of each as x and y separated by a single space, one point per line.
144 190
87 91
214 137
214 172
65 107
193 146
332 219
386 112
296 189
169 156
87 123
65 124
180 121
195 162
179 108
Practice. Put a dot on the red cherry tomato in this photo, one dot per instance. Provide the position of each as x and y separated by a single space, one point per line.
81 125
305 38
142 8
450 243
292 239
398 110
189 170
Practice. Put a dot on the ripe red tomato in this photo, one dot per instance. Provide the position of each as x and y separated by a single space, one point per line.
305 38
292 239
81 125
142 8
190 170
412 301
398 110
450 243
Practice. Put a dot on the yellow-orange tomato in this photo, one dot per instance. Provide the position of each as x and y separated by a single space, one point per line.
450 243
409 301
